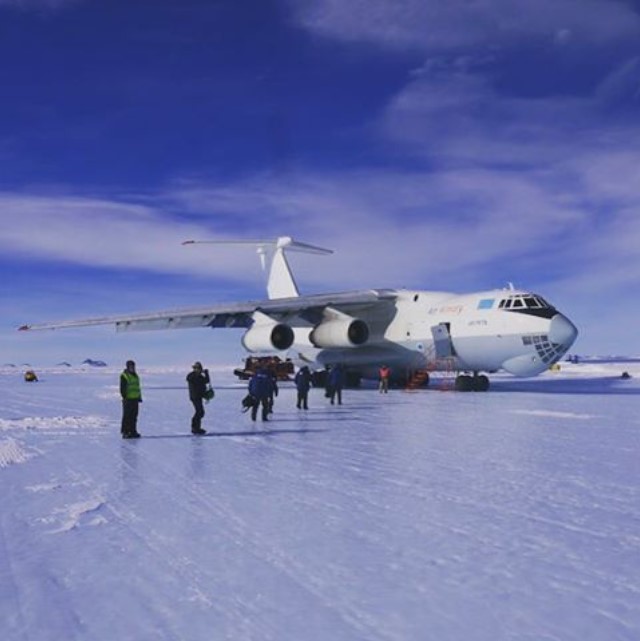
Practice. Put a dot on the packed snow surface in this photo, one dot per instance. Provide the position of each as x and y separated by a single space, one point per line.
432 515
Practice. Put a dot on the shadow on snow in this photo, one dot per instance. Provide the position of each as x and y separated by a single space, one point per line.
256 432
605 385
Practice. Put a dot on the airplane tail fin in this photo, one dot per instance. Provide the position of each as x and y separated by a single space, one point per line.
280 281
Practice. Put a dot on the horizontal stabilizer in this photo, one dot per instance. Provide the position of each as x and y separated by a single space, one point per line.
280 282
283 242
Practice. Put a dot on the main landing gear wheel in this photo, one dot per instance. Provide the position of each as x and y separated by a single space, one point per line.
475 383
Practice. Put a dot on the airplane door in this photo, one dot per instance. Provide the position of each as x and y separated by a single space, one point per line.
442 340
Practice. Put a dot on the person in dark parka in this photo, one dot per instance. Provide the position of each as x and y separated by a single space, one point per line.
198 380
131 393
336 383
274 388
261 388
302 380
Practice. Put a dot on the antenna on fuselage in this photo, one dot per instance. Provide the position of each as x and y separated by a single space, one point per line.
280 281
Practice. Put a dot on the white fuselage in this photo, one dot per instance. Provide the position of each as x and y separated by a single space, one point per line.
479 332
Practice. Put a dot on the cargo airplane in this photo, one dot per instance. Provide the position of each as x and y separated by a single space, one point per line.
411 331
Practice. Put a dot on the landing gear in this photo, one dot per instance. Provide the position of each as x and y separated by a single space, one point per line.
475 383
416 379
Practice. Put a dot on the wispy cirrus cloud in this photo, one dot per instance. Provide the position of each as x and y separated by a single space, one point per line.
497 183
364 215
27 5
445 25
455 226
582 150
414 228
103 232
452 115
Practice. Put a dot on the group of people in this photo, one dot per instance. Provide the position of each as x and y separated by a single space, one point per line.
263 388
200 391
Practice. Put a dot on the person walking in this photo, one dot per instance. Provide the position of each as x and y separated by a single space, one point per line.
199 381
274 388
385 374
261 388
336 383
302 379
131 393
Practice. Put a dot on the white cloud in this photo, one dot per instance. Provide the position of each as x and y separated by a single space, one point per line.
402 228
107 233
539 191
555 163
563 36
441 25
37 4
622 84
390 228
458 117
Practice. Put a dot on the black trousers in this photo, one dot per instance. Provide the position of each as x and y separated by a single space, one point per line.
265 408
196 420
129 416
303 398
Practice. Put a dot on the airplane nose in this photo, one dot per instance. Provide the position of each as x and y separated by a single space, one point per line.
562 331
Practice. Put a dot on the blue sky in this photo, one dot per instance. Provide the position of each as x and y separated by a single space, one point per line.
433 144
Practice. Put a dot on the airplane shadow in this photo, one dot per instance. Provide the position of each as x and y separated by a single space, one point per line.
257 432
605 385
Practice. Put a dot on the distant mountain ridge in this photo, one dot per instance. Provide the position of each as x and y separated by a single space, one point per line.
93 363
576 358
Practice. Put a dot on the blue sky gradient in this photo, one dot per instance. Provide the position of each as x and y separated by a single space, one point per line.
433 144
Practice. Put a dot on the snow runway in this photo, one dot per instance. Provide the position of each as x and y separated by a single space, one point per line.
508 515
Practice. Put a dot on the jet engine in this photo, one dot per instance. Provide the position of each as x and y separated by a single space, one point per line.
340 332
262 337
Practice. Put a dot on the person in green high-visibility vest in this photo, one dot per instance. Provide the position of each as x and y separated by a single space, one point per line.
131 393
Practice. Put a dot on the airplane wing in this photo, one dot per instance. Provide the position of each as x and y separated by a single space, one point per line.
309 308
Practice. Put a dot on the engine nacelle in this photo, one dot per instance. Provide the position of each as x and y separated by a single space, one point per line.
340 332
267 337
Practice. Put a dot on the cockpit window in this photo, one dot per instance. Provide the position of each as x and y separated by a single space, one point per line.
519 301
